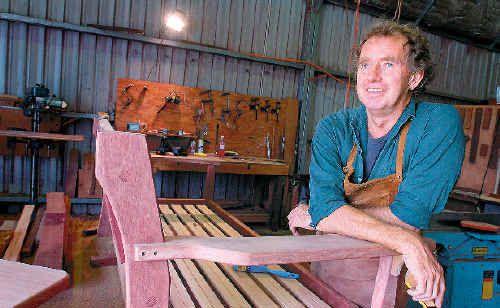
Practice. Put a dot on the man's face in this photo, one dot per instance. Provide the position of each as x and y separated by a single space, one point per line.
383 74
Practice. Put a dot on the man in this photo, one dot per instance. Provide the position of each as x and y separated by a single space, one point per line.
378 172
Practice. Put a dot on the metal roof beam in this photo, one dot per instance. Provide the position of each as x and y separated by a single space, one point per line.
428 7
146 39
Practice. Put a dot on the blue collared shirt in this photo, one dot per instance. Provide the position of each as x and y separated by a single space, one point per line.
432 160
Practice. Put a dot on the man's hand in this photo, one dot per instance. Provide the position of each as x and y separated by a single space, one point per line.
428 275
299 218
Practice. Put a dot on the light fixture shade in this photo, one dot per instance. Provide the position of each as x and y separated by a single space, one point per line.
176 20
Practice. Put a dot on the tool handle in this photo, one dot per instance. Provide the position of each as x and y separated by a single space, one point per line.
284 274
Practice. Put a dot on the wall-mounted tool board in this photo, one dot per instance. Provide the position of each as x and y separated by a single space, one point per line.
243 128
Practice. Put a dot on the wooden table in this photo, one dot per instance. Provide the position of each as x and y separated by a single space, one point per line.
278 185
40 136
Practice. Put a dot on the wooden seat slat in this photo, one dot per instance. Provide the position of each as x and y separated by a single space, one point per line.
243 281
215 276
199 287
264 290
294 286
268 283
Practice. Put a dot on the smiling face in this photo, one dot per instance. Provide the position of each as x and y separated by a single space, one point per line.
383 76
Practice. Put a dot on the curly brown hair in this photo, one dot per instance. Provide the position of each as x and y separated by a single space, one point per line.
419 55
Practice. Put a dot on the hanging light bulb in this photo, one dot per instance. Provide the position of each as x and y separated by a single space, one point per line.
176 21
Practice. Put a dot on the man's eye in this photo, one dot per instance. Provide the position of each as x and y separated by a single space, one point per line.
388 65
363 66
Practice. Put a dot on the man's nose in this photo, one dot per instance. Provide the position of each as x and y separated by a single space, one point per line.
374 73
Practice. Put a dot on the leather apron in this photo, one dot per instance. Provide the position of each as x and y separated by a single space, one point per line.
355 279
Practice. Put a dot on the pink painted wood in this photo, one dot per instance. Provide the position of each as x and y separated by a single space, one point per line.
23 285
262 250
124 171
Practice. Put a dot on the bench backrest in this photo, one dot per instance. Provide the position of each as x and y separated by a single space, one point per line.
124 171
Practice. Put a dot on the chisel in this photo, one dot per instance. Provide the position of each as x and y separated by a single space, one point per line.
264 269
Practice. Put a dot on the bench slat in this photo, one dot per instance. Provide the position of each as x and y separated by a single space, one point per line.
213 274
308 298
199 287
242 281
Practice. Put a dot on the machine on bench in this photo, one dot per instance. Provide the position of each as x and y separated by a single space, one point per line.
470 256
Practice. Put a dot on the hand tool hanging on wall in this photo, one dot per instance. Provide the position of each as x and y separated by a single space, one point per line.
237 113
268 146
209 100
265 109
226 111
276 111
125 93
198 115
173 98
254 105
282 145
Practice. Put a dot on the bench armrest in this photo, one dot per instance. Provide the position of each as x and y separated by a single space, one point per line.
262 250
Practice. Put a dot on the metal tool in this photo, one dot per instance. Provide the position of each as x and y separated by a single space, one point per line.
238 112
276 110
268 146
125 93
173 98
209 100
37 101
226 111
254 105
265 269
265 109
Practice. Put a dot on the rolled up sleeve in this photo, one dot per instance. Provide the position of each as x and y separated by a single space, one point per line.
326 175
432 170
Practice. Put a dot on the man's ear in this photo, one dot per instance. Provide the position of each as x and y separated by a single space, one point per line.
415 79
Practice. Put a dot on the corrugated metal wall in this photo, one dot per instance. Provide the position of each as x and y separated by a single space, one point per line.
461 70
83 68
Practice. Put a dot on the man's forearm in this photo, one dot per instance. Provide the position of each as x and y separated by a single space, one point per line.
385 214
355 223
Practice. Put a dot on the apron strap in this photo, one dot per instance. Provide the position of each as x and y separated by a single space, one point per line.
401 150
348 169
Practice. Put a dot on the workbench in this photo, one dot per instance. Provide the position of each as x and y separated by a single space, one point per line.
278 170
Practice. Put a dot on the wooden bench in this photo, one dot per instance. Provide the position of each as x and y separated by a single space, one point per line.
194 230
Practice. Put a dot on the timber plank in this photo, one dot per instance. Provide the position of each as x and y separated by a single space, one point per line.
306 296
219 281
197 284
6 230
52 232
44 136
14 250
29 243
242 280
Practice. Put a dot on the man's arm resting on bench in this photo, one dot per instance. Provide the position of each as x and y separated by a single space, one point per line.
418 258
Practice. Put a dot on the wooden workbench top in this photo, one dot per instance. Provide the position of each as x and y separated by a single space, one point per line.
38 135
240 165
